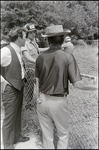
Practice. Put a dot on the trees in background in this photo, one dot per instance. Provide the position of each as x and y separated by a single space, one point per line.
81 17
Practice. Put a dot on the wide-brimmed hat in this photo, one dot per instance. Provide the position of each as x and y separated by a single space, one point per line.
30 27
55 30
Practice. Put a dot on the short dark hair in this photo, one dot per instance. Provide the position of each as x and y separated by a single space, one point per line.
56 40
15 33
27 34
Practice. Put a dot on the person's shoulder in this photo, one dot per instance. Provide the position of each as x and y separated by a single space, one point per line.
5 48
5 51
66 54
63 54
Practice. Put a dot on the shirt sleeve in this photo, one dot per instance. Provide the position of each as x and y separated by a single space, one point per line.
73 70
27 45
5 57
24 48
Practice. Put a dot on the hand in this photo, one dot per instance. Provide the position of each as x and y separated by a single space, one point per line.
95 81
39 101
34 80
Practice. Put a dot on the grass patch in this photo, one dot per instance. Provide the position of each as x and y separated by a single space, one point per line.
83 106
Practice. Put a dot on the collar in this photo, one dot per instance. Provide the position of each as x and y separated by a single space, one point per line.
15 47
53 48
30 40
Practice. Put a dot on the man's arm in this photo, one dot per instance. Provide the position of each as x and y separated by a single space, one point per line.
85 85
43 49
37 88
37 92
75 77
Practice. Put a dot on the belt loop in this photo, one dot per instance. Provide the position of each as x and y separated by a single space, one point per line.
65 94
24 80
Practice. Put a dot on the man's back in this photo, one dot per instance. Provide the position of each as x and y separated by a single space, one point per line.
53 70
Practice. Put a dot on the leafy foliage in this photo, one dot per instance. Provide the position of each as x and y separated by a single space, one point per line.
81 17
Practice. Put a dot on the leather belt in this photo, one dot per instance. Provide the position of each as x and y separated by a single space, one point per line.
59 95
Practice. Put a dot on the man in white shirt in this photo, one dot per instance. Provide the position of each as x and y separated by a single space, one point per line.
12 71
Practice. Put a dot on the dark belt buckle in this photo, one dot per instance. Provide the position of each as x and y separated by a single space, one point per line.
58 95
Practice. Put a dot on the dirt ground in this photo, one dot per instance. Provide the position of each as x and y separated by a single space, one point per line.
33 143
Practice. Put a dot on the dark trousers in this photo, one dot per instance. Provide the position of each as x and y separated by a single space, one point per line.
12 102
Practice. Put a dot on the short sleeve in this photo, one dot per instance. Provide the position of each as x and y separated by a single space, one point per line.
5 56
24 48
73 70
